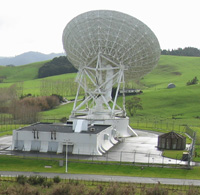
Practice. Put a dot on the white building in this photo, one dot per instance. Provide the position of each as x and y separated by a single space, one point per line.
48 137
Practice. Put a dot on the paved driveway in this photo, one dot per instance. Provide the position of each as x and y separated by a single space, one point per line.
5 143
141 149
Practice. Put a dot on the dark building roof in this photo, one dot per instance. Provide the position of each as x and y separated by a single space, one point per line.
172 135
63 128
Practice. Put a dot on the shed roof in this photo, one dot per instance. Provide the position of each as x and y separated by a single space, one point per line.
172 135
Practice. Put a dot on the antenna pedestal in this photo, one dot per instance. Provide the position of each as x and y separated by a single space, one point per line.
119 124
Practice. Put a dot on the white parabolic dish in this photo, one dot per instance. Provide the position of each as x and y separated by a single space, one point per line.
119 37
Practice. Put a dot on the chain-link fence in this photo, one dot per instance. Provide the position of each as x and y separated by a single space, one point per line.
159 125
130 158
134 158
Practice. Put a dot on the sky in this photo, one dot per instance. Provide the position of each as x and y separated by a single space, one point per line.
37 25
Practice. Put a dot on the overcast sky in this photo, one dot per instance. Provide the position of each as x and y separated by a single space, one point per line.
37 25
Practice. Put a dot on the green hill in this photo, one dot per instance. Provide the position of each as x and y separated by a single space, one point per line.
180 103
173 69
177 104
14 74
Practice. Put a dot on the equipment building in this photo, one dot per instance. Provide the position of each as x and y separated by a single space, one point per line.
48 137
171 141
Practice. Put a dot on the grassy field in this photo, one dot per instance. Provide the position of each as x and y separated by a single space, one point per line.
172 69
178 105
8 128
23 73
58 113
11 163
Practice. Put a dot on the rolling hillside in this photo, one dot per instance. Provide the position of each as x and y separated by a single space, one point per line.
14 74
181 103
173 69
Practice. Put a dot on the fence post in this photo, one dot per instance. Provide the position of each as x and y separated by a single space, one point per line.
92 155
148 159
191 149
134 156
163 161
78 154
120 157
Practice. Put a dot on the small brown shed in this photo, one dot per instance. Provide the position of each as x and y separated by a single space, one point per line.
171 141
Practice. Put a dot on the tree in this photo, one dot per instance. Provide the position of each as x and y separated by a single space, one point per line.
134 104
193 81
57 66
187 51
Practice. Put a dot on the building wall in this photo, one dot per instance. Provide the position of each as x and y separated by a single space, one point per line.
171 144
120 124
78 143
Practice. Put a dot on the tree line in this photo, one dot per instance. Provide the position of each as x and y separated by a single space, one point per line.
57 66
24 109
187 51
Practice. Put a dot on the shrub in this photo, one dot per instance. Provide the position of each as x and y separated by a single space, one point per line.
21 190
63 120
193 190
21 179
61 99
133 105
79 189
56 179
36 180
41 180
52 101
73 181
32 180
193 81
47 184
63 189
157 189
26 109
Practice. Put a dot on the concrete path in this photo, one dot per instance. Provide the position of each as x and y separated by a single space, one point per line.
5 141
107 178
141 149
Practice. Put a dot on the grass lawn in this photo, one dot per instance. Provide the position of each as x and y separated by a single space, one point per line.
175 154
59 112
8 128
6 133
21 73
11 163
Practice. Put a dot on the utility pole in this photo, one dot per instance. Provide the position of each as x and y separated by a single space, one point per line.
66 156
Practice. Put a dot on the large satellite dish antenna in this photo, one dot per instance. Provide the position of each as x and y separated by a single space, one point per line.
108 48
